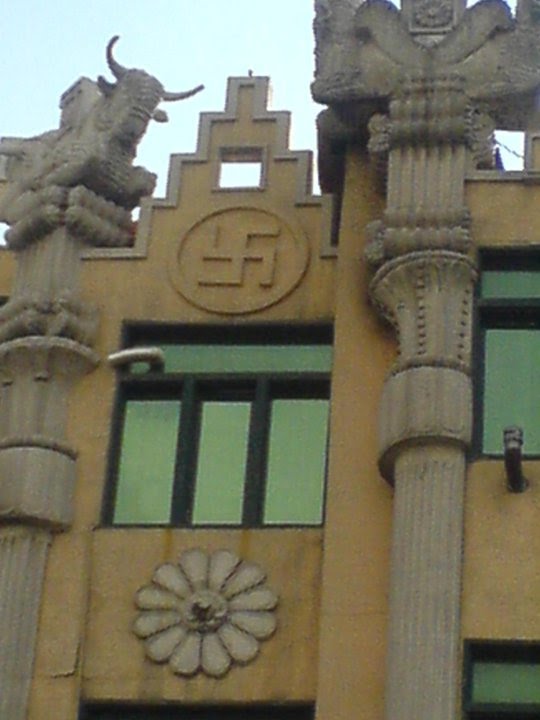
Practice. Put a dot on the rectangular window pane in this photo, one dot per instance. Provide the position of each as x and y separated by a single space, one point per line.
296 462
510 284
247 358
499 682
145 475
512 387
219 488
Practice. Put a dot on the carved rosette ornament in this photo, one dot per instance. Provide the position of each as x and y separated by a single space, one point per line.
205 613
433 14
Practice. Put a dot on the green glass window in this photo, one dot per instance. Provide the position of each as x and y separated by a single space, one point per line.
502 680
508 284
219 485
234 359
511 682
236 436
508 377
147 459
512 387
296 462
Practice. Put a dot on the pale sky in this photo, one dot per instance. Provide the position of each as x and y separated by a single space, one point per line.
45 45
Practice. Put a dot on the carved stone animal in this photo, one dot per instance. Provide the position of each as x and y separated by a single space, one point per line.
98 150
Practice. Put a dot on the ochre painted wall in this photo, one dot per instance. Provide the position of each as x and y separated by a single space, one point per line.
501 580
359 503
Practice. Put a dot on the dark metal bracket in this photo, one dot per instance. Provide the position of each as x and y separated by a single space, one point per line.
513 444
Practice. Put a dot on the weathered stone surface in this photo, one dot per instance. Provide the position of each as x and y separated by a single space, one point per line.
423 661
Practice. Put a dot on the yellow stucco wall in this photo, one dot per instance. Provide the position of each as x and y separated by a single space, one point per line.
501 581
359 503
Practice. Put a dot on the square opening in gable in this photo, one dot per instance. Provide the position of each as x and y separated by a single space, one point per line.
240 168
3 229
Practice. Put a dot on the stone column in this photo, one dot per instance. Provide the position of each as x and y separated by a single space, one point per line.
424 285
44 328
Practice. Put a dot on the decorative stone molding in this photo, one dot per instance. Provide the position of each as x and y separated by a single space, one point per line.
205 613
482 140
402 233
423 405
88 216
66 317
429 111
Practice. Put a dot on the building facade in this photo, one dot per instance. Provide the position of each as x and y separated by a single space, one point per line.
259 454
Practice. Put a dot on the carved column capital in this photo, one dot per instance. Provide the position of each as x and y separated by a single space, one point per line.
37 465
427 296
414 292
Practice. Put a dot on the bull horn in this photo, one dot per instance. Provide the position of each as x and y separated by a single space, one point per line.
117 70
170 97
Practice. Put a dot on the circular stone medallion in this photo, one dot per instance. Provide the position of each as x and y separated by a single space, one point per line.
239 260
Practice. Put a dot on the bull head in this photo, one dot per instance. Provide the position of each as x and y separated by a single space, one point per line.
155 92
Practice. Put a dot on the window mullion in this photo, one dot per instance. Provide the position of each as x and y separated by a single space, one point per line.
257 455
186 456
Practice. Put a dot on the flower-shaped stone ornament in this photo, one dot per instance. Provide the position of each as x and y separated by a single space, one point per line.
205 613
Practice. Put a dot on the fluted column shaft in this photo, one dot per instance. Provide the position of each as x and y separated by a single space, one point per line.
23 556
423 657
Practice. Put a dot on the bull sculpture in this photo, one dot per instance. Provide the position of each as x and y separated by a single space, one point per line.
93 154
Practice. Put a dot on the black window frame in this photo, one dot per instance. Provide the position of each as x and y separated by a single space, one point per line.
506 651
258 388
175 711
499 313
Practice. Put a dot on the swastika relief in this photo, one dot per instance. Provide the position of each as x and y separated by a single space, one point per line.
239 260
